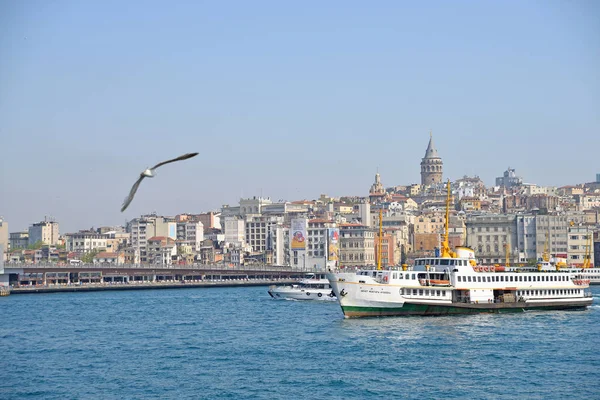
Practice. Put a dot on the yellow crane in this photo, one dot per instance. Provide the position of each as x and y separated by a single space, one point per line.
380 240
507 254
446 252
545 254
588 246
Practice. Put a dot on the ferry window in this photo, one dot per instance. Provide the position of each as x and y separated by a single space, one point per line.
427 292
501 279
478 279
400 275
415 292
444 262
460 278
438 293
489 278
469 279
413 276
420 292
395 275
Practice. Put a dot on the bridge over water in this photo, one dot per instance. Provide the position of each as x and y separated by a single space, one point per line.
20 275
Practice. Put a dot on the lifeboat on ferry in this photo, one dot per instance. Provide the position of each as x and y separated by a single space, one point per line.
499 268
581 282
439 282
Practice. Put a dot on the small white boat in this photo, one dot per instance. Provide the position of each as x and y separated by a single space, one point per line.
311 287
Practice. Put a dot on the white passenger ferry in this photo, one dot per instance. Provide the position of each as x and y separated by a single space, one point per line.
444 285
312 287
455 284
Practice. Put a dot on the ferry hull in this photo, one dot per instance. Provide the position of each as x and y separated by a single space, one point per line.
408 309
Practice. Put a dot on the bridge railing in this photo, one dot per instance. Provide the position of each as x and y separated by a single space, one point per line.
221 267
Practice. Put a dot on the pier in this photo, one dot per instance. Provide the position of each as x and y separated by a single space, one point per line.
50 278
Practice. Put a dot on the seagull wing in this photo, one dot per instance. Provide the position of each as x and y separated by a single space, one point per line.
180 158
134 189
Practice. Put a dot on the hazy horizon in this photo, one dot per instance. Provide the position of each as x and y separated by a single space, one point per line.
286 101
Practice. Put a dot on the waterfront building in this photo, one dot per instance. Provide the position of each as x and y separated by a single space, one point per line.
46 232
551 233
319 243
357 245
4 242
148 226
528 236
280 244
85 241
161 250
190 233
490 235
431 165
578 240
257 229
234 231
388 249
116 240
18 240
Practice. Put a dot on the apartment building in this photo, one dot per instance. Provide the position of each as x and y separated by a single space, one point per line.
4 242
357 245
148 226
257 229
85 241
46 232
489 235
580 243
190 233
18 240
161 250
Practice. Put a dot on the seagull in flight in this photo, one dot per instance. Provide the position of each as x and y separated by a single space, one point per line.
149 173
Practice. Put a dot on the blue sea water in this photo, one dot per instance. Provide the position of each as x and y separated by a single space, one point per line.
238 343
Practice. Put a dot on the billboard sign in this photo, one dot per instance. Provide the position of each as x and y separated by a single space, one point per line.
298 233
333 244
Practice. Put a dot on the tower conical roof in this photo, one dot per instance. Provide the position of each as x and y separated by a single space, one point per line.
431 152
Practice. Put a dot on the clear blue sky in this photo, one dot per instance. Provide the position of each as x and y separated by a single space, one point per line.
285 99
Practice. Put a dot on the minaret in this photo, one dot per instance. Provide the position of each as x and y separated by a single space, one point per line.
431 165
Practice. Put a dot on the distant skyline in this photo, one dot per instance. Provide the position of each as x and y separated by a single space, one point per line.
285 100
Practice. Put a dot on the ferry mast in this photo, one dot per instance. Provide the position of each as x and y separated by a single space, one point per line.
380 242
446 252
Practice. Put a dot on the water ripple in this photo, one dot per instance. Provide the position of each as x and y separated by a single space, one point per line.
232 343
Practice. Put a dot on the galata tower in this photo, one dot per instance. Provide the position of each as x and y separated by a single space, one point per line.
431 165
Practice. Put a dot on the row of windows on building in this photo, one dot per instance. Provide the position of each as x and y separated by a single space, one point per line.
512 278
357 245
357 257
